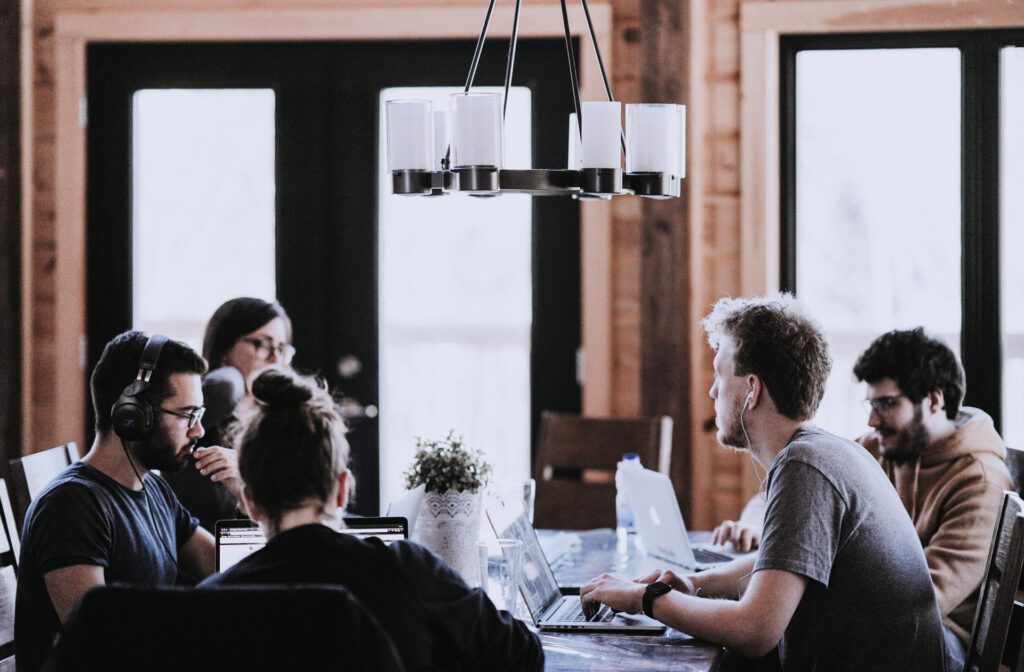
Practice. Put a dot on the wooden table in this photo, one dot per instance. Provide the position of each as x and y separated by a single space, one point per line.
674 651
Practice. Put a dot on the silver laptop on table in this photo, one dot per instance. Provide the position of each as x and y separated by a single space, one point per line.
659 522
550 609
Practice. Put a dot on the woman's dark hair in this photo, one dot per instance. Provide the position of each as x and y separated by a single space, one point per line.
918 363
291 446
234 319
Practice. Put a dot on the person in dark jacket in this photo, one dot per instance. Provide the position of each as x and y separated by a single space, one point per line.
293 462
243 336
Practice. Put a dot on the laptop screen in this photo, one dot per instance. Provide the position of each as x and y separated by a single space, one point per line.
538 584
237 539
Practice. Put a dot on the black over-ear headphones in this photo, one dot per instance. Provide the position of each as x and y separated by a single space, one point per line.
132 415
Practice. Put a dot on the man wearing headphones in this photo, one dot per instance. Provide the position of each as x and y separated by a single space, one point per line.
108 518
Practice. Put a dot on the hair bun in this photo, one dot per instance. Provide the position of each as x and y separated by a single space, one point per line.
276 387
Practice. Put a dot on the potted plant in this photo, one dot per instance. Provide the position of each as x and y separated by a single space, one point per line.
449 519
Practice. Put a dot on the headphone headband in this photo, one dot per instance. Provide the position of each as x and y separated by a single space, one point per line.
150 356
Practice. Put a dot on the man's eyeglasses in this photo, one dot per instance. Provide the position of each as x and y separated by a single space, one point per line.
194 416
883 406
266 346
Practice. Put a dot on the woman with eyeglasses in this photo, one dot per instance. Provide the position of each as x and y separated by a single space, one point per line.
244 336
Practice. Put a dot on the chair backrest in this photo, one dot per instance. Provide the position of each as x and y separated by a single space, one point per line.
1015 465
991 635
9 549
31 473
309 627
576 460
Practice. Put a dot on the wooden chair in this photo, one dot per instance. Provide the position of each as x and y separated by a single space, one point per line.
996 637
9 549
576 460
1015 465
31 473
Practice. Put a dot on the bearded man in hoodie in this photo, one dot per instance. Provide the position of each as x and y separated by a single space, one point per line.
946 462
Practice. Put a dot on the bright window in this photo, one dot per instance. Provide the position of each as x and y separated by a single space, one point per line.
878 229
202 205
1011 240
455 313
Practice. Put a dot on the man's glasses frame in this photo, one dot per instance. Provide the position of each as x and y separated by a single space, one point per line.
194 416
883 406
265 346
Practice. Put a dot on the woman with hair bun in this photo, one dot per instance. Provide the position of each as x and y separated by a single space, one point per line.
292 456
243 336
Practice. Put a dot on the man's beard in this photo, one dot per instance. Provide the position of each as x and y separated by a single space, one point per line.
159 452
911 441
731 434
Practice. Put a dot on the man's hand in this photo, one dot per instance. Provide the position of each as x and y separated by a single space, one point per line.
744 538
221 465
619 594
684 584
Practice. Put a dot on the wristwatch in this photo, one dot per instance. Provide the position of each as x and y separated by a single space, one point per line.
656 589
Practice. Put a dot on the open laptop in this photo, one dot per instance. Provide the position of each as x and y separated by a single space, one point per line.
238 538
659 522
550 609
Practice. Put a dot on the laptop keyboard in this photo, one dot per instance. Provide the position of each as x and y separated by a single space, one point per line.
576 615
703 555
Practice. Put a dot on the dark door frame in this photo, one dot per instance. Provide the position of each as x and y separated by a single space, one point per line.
318 75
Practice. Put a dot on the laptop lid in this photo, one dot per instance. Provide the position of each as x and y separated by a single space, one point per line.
408 506
236 539
538 585
659 522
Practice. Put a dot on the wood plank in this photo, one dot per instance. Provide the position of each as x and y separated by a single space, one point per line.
790 17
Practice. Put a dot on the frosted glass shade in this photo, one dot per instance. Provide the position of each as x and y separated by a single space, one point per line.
476 130
654 137
602 132
440 138
410 135
575 161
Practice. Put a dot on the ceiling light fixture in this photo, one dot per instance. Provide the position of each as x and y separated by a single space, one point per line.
437 152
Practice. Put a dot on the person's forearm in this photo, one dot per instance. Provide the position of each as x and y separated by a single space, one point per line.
722 581
724 622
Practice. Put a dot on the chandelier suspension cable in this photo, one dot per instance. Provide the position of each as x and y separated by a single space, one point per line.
511 60
597 50
574 80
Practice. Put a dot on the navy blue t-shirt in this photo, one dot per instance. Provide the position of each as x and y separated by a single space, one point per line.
84 517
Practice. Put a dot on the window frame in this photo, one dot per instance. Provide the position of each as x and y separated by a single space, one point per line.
981 334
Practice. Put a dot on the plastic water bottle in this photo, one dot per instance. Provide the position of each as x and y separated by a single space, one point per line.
624 519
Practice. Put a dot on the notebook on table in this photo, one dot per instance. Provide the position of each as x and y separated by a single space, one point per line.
659 522
549 609
237 539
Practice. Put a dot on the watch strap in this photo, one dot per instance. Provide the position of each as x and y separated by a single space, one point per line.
654 590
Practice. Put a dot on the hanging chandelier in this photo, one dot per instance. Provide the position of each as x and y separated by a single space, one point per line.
460 150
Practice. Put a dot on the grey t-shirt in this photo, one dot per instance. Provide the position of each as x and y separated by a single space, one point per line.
833 517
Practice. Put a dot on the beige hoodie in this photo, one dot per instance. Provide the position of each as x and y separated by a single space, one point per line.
952 493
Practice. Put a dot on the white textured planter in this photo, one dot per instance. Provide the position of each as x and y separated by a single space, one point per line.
449 525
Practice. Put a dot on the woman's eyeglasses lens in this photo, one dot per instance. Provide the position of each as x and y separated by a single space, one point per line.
265 347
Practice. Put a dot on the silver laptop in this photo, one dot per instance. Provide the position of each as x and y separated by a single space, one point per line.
408 506
659 522
237 539
549 609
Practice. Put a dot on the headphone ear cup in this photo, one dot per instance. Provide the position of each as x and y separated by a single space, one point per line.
132 418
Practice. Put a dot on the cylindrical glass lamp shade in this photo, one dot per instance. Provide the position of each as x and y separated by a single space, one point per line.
575 144
440 138
681 114
410 135
476 130
653 138
602 132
